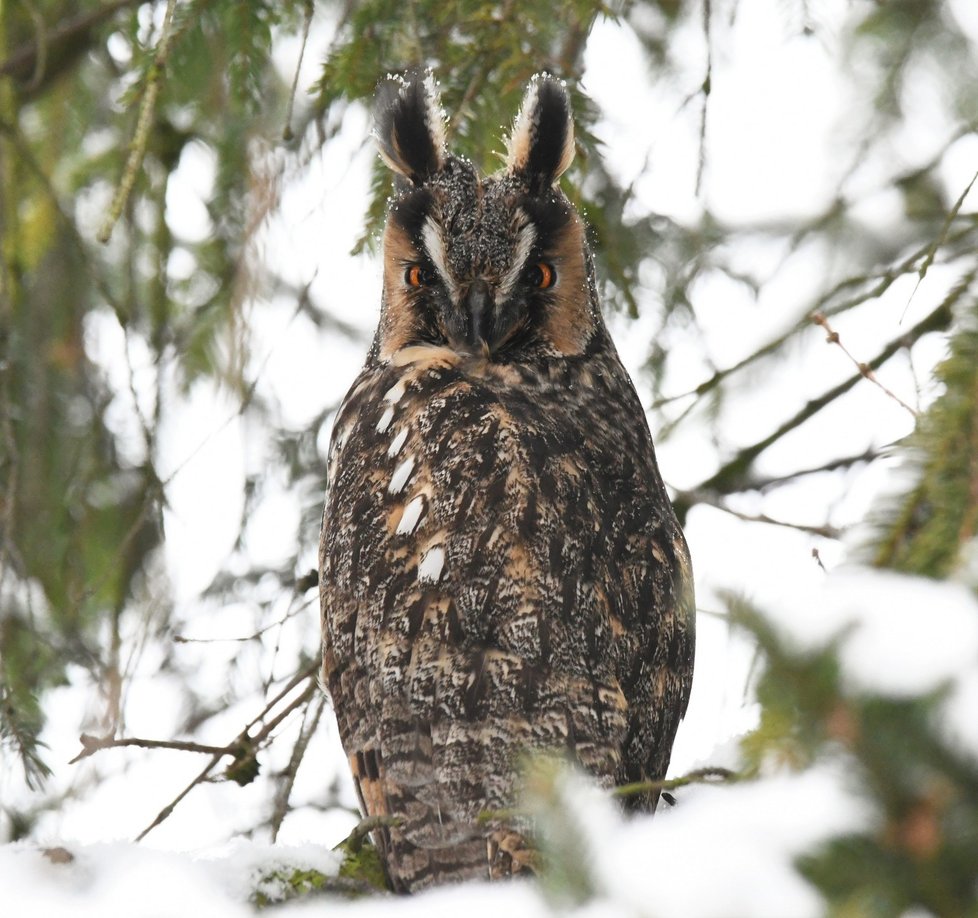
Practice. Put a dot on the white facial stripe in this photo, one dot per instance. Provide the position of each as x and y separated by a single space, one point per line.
435 246
524 245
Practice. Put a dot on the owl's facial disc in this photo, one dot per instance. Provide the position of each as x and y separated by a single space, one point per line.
487 314
483 267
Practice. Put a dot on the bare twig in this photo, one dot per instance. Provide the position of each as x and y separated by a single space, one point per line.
828 304
842 462
832 337
705 89
284 792
92 744
715 500
709 775
243 743
36 62
290 614
164 814
41 46
825 531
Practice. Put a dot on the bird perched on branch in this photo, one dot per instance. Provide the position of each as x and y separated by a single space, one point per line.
501 571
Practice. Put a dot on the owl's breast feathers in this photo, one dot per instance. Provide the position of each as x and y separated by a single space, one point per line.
501 571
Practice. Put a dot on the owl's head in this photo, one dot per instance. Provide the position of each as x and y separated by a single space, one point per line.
493 266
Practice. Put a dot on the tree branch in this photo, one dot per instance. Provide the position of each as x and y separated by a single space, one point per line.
144 122
689 498
92 744
733 475
713 775
242 749
35 64
833 337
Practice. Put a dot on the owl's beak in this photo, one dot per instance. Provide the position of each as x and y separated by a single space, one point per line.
479 310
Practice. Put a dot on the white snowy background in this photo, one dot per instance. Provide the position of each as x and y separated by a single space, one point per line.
780 121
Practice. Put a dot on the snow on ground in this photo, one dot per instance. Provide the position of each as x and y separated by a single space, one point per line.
126 879
723 850
900 636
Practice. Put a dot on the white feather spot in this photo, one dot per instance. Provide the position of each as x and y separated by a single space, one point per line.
385 420
431 564
412 513
401 475
397 442
394 393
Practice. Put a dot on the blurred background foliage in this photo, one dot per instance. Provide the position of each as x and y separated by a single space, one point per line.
98 95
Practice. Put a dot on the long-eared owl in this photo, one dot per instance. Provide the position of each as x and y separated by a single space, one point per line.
501 570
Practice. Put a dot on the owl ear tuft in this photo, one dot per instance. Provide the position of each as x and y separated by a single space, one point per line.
410 125
541 146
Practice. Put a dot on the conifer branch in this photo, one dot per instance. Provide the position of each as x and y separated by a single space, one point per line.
734 474
711 775
940 238
22 148
144 123
307 12
36 62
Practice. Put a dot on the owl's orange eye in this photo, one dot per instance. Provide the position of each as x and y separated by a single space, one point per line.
541 275
416 276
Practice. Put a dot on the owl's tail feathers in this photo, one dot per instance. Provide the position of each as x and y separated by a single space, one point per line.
413 867
429 847
509 854
443 831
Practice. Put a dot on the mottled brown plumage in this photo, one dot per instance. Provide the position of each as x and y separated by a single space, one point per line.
501 570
